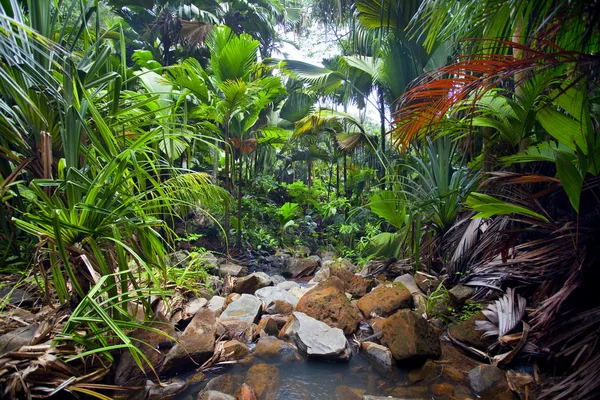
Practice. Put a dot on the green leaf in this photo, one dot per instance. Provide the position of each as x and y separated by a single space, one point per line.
488 206
387 206
570 177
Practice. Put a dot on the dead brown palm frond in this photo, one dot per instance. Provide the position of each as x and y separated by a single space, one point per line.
503 316
424 107
194 33
461 237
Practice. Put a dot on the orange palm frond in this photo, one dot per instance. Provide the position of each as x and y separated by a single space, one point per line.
434 95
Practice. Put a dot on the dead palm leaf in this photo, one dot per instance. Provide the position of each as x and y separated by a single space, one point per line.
503 316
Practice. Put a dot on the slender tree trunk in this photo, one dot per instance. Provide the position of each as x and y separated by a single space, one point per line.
227 224
239 202
337 178
345 184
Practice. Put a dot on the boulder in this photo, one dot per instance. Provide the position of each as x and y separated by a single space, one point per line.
369 397
287 285
231 270
271 293
251 283
277 279
264 379
427 285
442 389
246 392
179 259
214 395
331 306
269 326
223 383
216 304
344 392
193 306
316 339
245 308
297 267
234 350
378 355
127 372
428 372
298 292
409 337
280 307
356 285
195 346
465 332
268 347
459 294
489 382
170 390
385 299
409 282
209 260
233 328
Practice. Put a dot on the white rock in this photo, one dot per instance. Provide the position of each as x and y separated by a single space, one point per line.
316 339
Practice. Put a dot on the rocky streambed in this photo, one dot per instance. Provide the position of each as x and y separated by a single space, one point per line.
339 335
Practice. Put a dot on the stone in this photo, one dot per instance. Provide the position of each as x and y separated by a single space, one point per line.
297 267
410 392
269 326
409 282
316 339
331 306
215 283
179 259
234 350
486 380
271 293
231 297
245 308
264 379
427 285
332 281
14 340
409 337
280 307
170 390
455 374
269 347
214 395
344 392
216 304
277 279
223 383
465 332
193 306
369 397
384 300
356 285
442 389
231 270
127 372
251 283
246 392
209 260
298 292
301 251
379 355
426 373
459 294
287 285
195 346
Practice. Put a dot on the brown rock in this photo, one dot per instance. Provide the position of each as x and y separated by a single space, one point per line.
385 299
251 283
465 332
264 378
269 326
285 328
280 307
409 337
426 373
234 350
331 306
442 389
196 344
246 392
427 285
127 372
271 347
356 285
344 392
411 392
231 297
223 383
455 374
333 281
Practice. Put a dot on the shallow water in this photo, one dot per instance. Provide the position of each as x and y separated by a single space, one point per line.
302 379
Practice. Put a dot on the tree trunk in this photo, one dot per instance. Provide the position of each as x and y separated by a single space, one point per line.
239 202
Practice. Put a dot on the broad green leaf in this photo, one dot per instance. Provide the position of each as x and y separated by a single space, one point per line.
488 206
570 177
387 206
